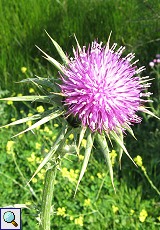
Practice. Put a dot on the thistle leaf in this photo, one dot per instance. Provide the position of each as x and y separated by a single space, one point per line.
79 48
88 149
45 82
121 149
23 120
59 49
47 118
129 129
45 99
105 150
52 60
141 108
54 148
82 133
121 144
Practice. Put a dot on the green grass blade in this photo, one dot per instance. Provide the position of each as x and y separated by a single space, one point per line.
105 150
59 49
88 149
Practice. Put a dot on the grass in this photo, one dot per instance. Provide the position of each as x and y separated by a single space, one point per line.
133 24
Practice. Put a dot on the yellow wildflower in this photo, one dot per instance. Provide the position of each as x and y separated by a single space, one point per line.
56 125
138 160
92 177
79 221
39 160
9 146
64 172
158 218
19 95
34 180
30 114
77 171
132 212
46 129
84 143
13 119
38 127
31 90
71 218
40 109
32 158
9 102
23 69
113 155
38 146
21 111
81 157
115 208
20 136
28 203
46 150
71 136
40 175
72 175
100 176
87 202
142 216
61 212
29 123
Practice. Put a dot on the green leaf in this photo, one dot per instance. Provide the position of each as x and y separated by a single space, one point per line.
47 118
23 120
45 82
88 149
81 136
79 48
121 144
129 129
45 99
52 60
55 147
59 49
143 109
105 150
121 149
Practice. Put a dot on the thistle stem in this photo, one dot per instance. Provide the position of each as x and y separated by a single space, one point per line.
47 198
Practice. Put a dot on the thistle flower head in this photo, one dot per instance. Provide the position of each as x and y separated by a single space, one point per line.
102 88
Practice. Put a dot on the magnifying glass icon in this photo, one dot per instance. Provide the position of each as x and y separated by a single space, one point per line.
9 217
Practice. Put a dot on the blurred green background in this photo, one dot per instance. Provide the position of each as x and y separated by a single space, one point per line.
134 24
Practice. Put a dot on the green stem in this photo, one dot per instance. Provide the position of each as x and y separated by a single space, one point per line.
149 180
47 198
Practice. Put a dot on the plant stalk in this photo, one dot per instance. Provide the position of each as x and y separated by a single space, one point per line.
46 207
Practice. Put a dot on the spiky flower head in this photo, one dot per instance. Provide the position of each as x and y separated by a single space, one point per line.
103 88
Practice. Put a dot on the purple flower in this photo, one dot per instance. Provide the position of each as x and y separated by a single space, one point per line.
102 88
